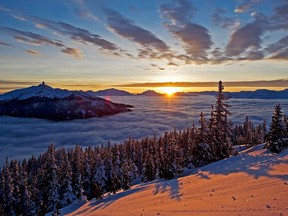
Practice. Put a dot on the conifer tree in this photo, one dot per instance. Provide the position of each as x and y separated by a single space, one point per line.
2 192
15 169
276 137
52 179
76 173
27 204
220 126
66 191
99 177
8 191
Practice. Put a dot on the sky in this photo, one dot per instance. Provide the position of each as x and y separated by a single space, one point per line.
139 45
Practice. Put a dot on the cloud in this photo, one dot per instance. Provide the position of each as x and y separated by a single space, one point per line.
32 38
17 16
37 40
246 37
84 11
126 28
195 38
278 46
279 19
281 55
180 13
73 52
219 18
259 83
10 82
9 85
80 35
5 44
33 52
22 137
246 6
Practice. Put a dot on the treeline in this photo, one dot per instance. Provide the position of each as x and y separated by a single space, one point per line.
58 177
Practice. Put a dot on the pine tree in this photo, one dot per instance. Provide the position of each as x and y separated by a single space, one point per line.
117 172
99 177
27 205
276 137
76 173
220 126
2 192
8 190
66 191
15 169
52 179
87 180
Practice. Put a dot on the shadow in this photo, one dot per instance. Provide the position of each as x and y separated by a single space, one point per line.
108 200
202 174
256 162
172 186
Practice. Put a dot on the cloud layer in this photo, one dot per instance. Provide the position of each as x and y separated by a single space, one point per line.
260 83
22 137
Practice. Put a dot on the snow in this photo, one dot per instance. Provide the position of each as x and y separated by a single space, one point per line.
41 90
253 183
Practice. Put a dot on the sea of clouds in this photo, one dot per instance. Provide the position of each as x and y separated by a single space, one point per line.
23 137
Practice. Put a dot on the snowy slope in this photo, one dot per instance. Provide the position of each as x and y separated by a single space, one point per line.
252 183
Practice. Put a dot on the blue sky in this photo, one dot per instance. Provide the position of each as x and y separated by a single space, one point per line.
83 44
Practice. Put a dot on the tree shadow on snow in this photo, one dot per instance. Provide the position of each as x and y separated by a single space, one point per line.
108 200
256 165
172 186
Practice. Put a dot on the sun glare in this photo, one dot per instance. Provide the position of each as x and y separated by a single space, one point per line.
169 90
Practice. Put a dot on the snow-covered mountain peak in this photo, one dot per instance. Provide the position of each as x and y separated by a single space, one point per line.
41 90
43 101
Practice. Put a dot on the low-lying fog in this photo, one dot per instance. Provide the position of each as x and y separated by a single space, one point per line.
22 137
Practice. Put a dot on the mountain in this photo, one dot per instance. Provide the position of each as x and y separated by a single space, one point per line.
150 93
110 92
45 102
260 94
253 183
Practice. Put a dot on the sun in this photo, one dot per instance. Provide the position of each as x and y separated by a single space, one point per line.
169 90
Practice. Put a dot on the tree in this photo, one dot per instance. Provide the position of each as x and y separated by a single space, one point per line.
8 190
77 173
220 126
52 179
66 191
276 137
27 205
99 177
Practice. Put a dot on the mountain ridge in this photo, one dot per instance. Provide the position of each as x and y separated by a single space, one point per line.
45 102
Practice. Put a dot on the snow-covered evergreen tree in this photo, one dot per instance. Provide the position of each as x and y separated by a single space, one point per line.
2 192
99 177
27 205
15 172
220 126
76 173
8 191
52 179
66 191
87 179
276 137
